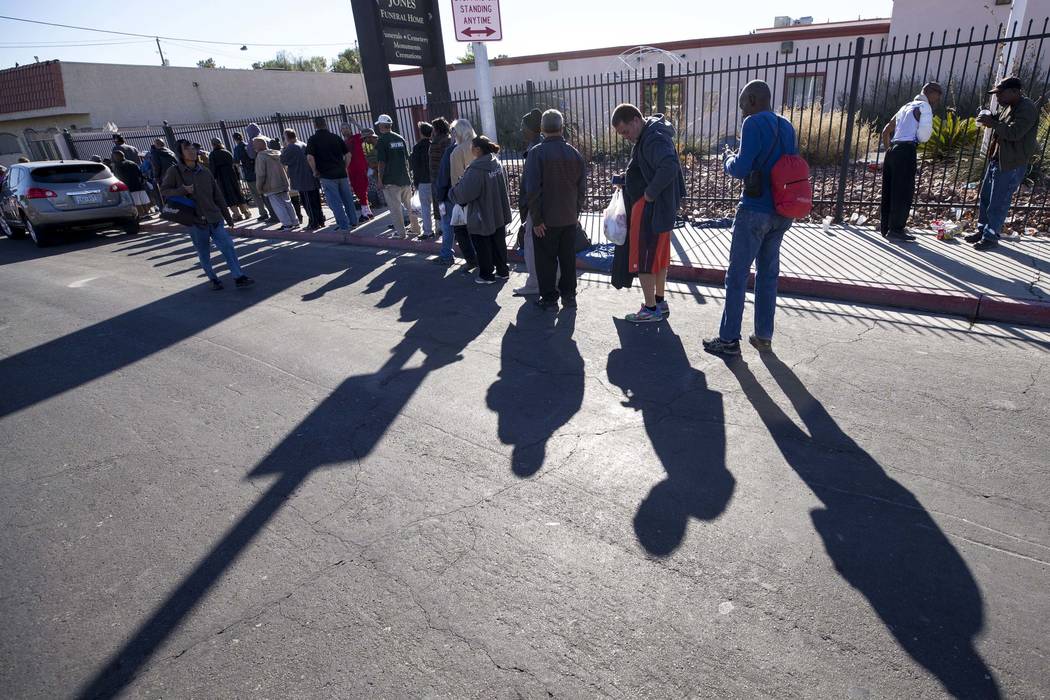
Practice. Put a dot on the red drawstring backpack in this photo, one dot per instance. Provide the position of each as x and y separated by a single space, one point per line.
789 182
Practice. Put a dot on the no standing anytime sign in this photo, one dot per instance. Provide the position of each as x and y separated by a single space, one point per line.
477 20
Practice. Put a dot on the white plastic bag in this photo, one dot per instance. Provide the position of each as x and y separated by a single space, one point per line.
616 219
459 216
416 206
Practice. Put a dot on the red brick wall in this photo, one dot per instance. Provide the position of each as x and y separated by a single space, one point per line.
36 86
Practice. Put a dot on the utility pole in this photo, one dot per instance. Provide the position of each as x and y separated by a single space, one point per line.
161 51
484 83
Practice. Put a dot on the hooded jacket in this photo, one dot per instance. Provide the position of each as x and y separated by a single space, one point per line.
206 193
161 159
657 161
483 191
270 177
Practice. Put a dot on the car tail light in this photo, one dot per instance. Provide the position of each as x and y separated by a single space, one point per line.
40 193
118 187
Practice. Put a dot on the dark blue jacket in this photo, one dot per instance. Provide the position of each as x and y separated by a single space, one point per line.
443 183
655 157
760 149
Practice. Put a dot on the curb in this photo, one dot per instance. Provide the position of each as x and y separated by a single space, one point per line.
975 307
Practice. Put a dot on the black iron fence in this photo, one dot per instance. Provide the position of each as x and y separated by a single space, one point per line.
838 97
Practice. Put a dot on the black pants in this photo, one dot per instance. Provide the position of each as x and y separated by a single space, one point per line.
492 254
297 205
466 245
312 204
556 249
898 186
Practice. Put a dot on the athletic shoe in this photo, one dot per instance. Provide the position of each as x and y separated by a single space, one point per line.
985 244
900 236
216 285
664 308
503 277
525 291
482 280
646 315
546 305
442 262
717 346
761 344
244 281
974 237
469 266
569 303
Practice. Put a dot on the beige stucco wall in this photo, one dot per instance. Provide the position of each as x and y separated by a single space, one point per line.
145 95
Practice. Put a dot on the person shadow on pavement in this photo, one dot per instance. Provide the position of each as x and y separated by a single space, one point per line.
881 539
540 385
685 421
340 432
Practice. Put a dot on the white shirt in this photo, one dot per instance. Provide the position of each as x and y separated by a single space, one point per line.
910 129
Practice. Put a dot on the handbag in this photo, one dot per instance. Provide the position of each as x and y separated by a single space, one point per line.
180 209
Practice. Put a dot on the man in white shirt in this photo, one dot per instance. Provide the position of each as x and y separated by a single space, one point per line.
912 125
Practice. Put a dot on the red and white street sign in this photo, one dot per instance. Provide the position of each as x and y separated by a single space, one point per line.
477 20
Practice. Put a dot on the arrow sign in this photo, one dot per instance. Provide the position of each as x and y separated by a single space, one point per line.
488 31
477 20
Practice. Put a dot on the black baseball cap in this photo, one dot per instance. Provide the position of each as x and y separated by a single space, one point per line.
1006 84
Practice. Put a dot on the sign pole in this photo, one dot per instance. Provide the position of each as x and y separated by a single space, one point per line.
484 87
374 65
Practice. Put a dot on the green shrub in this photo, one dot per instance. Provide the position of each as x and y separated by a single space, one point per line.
951 134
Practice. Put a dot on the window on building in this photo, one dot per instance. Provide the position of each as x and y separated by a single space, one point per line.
802 89
674 99
9 144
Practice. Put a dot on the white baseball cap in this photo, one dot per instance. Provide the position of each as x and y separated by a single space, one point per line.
384 119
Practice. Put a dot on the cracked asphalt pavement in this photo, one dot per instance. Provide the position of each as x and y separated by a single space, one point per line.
369 477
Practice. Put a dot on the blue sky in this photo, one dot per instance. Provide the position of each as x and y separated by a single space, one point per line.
578 24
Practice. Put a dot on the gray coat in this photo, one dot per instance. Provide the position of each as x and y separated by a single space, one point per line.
483 191
293 157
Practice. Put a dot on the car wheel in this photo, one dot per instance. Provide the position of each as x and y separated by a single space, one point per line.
39 235
131 227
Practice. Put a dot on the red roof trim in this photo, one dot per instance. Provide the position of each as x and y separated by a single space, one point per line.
795 33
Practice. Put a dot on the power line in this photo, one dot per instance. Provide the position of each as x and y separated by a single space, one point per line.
154 36
16 47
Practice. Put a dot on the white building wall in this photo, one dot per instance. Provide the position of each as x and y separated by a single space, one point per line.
146 95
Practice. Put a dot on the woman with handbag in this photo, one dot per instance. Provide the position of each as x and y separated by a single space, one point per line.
195 200
482 192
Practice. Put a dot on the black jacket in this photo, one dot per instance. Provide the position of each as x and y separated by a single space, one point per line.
419 161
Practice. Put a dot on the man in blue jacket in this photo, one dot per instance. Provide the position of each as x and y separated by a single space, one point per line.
757 229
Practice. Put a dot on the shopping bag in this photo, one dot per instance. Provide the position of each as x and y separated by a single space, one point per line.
459 215
417 206
616 219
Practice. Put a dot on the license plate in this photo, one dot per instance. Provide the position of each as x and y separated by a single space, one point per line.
87 198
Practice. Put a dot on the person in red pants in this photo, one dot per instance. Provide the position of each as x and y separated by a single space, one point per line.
357 170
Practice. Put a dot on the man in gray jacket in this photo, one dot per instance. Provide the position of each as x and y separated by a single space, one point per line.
555 190
293 157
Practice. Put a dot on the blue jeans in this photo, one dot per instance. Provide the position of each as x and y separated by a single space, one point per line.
997 191
447 237
756 239
340 200
202 236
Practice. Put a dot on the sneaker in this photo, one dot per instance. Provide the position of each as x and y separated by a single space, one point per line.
482 280
261 218
425 237
717 346
664 308
974 237
505 276
646 315
761 344
525 291
244 281
469 266
543 305
273 221
569 303
216 285
289 228
442 262
985 244
900 236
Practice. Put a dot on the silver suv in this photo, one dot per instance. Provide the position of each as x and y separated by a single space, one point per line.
44 197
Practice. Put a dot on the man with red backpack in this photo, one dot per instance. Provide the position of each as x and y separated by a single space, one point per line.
776 189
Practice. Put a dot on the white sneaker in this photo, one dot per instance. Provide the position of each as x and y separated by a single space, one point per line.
525 291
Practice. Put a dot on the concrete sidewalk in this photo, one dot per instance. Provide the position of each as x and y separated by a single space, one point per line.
844 263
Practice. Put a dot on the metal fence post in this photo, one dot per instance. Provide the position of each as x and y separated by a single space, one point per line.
851 119
73 155
225 133
169 134
530 93
280 122
344 115
661 88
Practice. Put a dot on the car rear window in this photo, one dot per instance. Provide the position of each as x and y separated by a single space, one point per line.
69 174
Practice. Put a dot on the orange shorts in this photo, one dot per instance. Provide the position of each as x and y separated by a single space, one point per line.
650 252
